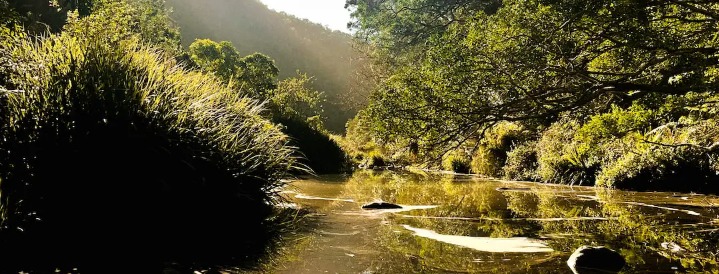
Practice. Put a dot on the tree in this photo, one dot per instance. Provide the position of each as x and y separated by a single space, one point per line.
8 16
39 16
255 74
221 58
146 21
397 25
294 99
258 73
533 60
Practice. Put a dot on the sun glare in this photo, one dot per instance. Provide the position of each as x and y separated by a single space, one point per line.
330 13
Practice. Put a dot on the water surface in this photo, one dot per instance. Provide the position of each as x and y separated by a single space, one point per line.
460 224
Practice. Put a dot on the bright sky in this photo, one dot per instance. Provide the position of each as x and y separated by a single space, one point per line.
331 13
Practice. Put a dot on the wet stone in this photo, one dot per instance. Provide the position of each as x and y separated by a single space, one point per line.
589 260
381 205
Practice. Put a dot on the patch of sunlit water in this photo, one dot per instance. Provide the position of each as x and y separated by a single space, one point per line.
486 244
308 197
375 213
558 219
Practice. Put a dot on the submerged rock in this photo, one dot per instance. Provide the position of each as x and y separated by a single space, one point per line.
381 205
598 259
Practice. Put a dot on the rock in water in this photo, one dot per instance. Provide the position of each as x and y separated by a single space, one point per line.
513 189
599 259
381 205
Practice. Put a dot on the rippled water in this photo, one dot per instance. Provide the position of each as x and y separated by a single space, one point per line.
452 224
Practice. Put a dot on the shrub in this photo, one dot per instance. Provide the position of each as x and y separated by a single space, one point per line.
663 169
491 153
359 143
676 158
522 163
320 152
487 162
113 140
559 157
457 161
295 99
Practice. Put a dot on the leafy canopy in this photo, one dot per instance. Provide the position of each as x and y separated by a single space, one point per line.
534 60
255 73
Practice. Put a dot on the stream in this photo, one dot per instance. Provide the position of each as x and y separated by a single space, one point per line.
465 224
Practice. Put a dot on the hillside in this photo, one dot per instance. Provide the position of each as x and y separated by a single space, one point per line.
293 43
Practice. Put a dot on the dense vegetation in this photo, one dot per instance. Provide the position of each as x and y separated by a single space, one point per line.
292 103
103 132
613 93
295 44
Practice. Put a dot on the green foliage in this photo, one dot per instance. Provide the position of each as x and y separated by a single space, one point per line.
298 109
294 44
620 150
292 103
146 19
8 16
317 150
39 17
358 141
254 74
88 124
534 60
570 151
672 157
521 163
492 150
457 161
143 20
592 78
560 159
221 58
488 162
401 28
258 74
295 99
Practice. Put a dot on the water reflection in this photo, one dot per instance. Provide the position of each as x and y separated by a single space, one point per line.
655 232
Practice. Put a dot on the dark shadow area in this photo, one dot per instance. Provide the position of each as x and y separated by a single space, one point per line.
118 199
686 175
320 152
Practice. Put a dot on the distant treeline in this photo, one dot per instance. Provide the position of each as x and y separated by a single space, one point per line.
293 43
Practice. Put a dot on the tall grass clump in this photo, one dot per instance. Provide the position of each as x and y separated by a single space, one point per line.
111 146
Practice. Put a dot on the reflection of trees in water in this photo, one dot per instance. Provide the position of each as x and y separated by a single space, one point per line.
431 256
456 200
641 233
543 212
